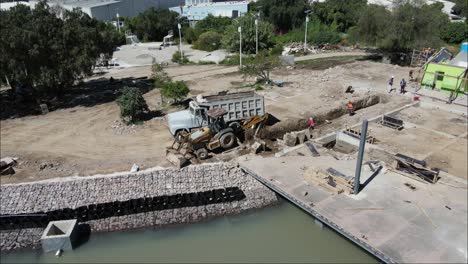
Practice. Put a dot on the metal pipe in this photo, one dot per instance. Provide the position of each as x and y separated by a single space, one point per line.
362 143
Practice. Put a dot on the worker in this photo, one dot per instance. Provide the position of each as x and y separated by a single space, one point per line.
402 86
390 85
311 123
411 76
350 108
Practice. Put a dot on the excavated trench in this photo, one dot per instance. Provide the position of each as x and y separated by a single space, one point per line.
277 130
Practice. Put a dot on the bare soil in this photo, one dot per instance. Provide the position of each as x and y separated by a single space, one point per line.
86 137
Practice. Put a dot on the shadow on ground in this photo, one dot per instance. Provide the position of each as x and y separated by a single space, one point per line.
88 94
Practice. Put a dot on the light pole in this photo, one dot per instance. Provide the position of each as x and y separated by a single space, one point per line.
305 33
240 45
118 22
180 42
256 32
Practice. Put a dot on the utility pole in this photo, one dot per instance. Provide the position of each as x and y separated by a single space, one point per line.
362 144
118 21
240 46
305 33
180 43
256 32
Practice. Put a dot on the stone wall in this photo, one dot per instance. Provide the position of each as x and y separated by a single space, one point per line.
77 192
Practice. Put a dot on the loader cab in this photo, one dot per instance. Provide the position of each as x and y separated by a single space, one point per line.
216 119
198 115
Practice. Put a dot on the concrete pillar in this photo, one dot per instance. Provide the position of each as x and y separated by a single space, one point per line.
362 143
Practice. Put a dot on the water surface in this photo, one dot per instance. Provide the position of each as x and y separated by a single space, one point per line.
279 234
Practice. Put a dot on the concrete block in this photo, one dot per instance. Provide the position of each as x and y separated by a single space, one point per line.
301 137
290 139
61 235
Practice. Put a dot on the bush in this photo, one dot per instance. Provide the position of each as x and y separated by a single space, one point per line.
189 35
175 90
208 41
176 57
323 37
454 33
276 50
132 104
159 75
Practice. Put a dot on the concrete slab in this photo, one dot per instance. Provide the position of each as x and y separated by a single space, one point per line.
388 219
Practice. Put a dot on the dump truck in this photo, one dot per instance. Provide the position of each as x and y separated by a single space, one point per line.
239 107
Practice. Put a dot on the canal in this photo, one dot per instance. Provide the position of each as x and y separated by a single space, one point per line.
282 233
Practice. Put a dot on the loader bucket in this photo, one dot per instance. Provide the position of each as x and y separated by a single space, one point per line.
176 158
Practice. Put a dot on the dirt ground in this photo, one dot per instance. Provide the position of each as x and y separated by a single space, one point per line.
85 140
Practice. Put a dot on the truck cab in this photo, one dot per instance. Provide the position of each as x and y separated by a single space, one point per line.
194 117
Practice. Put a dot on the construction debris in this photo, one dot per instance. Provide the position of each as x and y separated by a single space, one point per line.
6 166
135 168
416 167
331 179
391 122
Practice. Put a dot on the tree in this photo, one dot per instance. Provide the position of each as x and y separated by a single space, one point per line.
339 14
373 25
460 8
48 54
265 35
411 24
261 66
153 24
132 104
175 90
414 24
283 14
455 33
208 41
212 23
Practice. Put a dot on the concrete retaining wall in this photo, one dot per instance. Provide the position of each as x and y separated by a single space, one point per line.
83 191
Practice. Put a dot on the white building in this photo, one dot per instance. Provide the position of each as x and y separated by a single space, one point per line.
105 10
196 10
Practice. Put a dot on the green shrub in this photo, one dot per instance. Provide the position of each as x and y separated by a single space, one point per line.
132 104
323 37
189 35
176 57
159 75
208 41
455 33
276 50
258 87
175 90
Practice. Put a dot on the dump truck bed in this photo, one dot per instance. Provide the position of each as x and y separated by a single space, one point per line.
239 106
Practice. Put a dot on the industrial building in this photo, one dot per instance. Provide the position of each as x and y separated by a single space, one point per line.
105 10
196 10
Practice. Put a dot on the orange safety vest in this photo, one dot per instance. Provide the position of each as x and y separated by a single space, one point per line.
350 106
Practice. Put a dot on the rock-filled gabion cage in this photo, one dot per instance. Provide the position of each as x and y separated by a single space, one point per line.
152 198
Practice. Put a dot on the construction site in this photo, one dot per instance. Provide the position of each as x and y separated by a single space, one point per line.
386 169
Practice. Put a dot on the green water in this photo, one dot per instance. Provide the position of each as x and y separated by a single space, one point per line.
280 234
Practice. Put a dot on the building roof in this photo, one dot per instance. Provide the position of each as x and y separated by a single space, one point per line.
84 3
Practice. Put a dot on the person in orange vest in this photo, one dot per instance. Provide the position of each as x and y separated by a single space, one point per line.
350 108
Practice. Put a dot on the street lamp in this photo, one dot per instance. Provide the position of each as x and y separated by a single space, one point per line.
118 21
240 45
180 42
305 33
257 16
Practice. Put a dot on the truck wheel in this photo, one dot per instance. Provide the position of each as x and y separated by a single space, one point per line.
227 140
201 153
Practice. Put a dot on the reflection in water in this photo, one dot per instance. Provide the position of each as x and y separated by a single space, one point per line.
279 234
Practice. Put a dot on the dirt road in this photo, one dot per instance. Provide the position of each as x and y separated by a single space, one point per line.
85 140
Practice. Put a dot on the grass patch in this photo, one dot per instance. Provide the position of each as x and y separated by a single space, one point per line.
325 63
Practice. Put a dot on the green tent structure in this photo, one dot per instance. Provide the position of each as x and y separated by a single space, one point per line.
451 76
